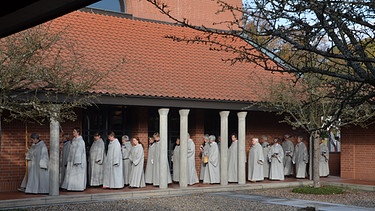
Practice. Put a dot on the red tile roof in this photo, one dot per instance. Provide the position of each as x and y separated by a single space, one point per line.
157 66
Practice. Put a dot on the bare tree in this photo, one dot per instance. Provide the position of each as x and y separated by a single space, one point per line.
307 104
326 46
336 33
40 68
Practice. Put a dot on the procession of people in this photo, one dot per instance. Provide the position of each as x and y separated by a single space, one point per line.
115 164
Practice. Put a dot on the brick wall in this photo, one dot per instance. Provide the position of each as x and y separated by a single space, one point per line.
266 123
356 153
198 12
140 128
196 131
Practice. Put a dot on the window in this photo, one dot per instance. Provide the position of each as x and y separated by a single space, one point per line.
110 5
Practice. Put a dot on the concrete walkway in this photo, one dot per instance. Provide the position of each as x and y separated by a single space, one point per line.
82 197
324 206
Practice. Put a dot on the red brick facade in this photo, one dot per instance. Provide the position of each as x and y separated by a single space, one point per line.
198 12
357 149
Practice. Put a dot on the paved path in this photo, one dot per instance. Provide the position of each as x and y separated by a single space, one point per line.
324 206
30 200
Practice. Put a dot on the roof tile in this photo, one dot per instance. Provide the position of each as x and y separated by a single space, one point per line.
157 66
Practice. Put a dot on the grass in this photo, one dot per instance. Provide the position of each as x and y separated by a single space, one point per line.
324 190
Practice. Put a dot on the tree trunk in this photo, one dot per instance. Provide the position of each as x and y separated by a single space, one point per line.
316 154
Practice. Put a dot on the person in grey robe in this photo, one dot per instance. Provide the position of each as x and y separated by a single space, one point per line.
113 169
323 160
218 141
36 179
176 161
204 148
64 157
96 161
137 177
233 160
76 171
266 148
150 161
156 169
126 147
276 157
212 171
300 158
255 162
288 148
192 172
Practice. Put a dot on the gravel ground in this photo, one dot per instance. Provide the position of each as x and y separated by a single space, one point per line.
207 201
203 201
349 197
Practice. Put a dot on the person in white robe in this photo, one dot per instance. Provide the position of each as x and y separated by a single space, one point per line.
288 148
334 140
233 160
64 157
323 160
300 158
36 179
176 161
276 157
204 148
137 177
96 160
255 162
192 171
156 169
76 171
266 148
212 171
150 161
113 169
126 147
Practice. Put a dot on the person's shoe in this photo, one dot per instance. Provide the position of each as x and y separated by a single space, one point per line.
20 189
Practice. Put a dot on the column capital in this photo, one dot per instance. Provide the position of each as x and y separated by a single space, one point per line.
184 112
224 113
242 114
163 111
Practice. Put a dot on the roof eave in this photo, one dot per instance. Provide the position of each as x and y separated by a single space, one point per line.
29 13
178 102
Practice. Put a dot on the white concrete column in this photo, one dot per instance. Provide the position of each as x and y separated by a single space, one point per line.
224 147
241 147
183 147
163 147
54 149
